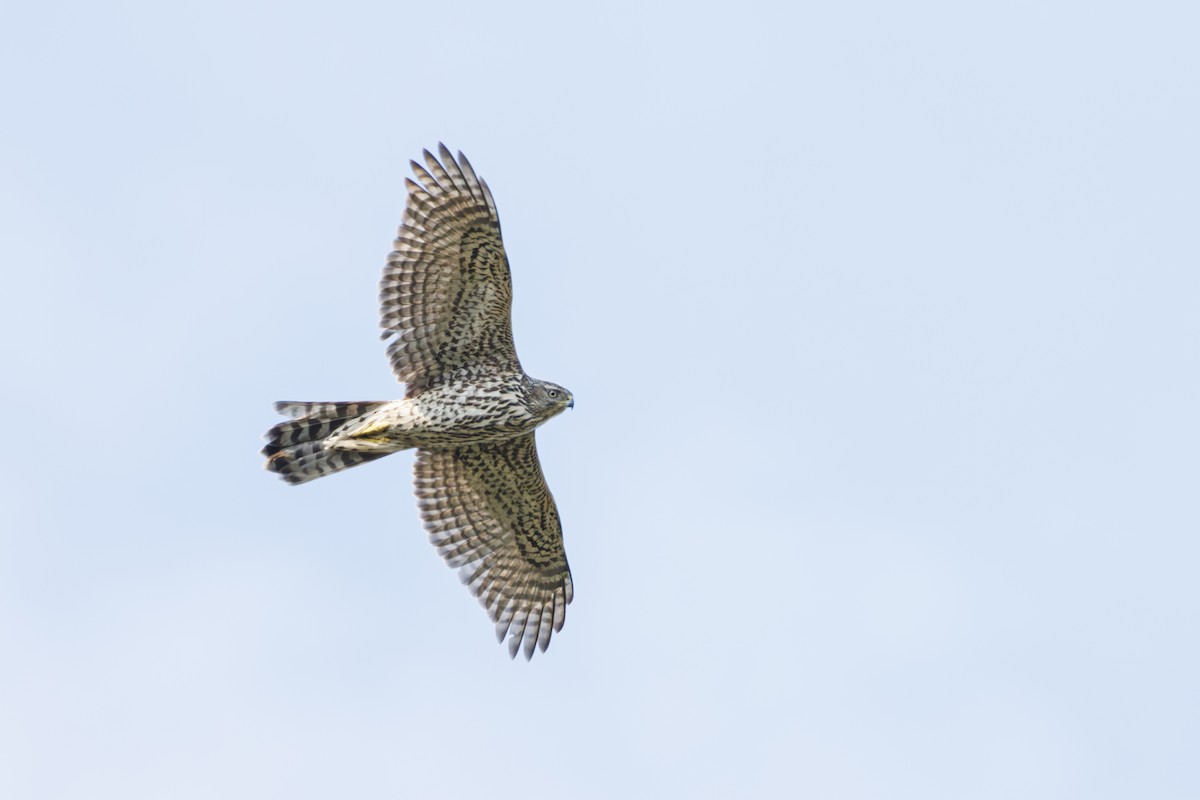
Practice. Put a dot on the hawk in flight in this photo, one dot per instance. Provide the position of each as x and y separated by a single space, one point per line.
469 409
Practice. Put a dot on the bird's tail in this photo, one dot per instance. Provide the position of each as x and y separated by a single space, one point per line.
296 448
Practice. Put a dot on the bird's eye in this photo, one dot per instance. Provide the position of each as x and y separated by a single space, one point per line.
553 393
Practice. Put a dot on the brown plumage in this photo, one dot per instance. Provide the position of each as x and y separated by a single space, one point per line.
469 408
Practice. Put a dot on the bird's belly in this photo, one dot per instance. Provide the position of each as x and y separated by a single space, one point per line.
433 423
455 423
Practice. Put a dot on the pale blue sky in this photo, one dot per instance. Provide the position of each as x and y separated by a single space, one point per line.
882 321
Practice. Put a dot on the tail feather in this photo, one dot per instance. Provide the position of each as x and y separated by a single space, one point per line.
296 448
343 411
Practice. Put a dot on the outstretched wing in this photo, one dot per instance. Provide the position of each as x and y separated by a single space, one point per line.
446 294
490 515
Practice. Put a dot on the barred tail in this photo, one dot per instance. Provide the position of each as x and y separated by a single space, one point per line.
296 448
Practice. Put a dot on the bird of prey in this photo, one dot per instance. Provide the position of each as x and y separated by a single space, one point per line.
469 408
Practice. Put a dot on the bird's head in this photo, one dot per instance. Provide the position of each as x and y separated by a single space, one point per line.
547 399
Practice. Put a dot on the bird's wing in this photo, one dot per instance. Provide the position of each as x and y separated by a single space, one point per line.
490 515
446 294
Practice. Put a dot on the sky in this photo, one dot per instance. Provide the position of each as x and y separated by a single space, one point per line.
882 324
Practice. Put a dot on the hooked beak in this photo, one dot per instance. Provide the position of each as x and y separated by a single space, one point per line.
571 402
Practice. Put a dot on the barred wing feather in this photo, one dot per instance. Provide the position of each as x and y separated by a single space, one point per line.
446 292
489 513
